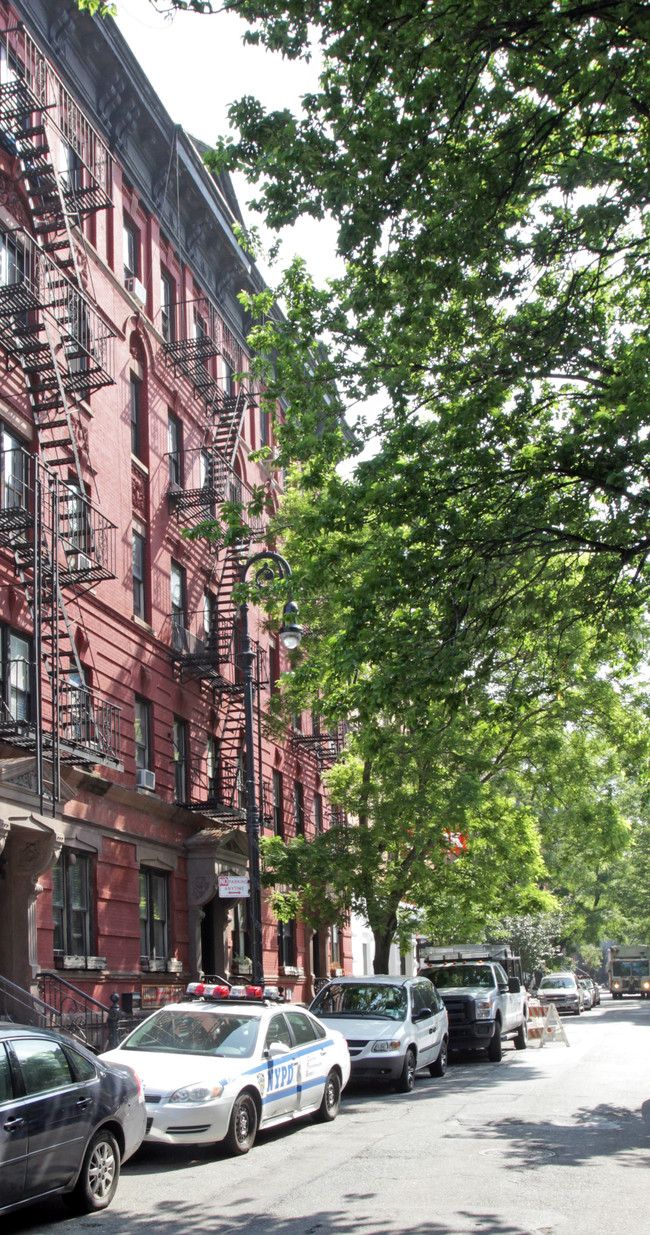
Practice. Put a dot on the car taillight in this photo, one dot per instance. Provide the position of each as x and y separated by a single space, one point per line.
137 1081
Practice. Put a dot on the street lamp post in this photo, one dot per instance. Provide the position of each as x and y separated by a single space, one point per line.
269 566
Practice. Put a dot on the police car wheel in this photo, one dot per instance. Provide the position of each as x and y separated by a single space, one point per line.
243 1125
329 1107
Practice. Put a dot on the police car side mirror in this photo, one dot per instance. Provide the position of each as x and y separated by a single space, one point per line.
276 1048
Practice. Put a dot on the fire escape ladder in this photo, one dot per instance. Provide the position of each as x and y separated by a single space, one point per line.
52 332
229 426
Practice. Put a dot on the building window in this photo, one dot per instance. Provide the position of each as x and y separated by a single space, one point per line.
210 622
71 904
278 813
16 677
154 914
228 381
274 666
167 305
139 588
72 175
175 449
14 473
318 813
131 244
299 808
135 396
212 768
180 759
203 349
142 733
207 479
265 437
286 943
179 632
335 947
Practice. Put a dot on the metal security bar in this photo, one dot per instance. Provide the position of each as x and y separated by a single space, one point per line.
206 481
33 96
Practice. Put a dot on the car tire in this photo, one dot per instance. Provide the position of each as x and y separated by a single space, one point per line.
439 1065
521 1037
407 1075
331 1100
99 1175
495 1049
242 1128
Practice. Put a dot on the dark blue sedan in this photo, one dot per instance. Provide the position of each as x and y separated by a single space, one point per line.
67 1120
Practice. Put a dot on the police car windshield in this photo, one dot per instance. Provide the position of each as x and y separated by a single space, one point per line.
461 975
199 1031
361 999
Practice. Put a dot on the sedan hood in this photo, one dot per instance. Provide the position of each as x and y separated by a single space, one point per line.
164 1073
366 1027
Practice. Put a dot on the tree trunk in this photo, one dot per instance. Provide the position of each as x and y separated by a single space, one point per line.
383 940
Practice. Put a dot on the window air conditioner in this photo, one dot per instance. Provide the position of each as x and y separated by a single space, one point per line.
137 290
79 561
145 778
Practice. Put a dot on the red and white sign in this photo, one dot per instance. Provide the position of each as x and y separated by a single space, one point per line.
234 886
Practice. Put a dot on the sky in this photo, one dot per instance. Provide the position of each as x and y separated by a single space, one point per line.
198 65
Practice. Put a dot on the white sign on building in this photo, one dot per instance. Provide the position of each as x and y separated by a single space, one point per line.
234 886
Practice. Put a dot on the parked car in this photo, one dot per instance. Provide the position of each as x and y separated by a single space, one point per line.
587 994
217 1068
393 1026
67 1120
484 1004
563 990
595 992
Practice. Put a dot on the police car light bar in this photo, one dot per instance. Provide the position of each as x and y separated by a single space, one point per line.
210 990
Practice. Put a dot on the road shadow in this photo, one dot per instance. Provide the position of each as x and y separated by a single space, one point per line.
191 1218
602 1131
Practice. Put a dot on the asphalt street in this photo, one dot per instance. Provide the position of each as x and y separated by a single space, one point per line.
551 1141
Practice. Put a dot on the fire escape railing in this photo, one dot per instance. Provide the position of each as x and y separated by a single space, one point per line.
80 157
88 726
31 283
201 480
326 745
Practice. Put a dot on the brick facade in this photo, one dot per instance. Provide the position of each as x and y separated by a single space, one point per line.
108 865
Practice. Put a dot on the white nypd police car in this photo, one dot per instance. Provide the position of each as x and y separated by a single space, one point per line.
218 1067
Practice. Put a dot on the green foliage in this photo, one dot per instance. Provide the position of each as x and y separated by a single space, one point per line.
533 937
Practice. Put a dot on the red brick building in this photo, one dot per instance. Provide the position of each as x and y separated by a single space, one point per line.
125 418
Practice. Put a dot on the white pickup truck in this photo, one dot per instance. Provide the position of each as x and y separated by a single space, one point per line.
483 1003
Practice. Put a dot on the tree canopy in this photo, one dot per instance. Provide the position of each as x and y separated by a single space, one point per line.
476 589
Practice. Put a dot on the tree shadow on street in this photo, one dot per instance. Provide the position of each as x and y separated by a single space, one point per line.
603 1131
193 1218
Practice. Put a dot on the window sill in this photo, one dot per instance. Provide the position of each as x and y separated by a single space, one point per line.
151 965
143 624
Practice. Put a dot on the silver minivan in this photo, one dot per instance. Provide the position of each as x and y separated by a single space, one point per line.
394 1026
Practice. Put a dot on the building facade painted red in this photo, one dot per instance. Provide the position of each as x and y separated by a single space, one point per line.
127 415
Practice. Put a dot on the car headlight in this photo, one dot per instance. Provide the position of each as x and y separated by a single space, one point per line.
483 1009
384 1046
197 1093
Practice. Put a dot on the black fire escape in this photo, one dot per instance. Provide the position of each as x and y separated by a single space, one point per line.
49 330
205 643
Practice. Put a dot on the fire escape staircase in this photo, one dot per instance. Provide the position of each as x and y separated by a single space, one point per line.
53 334
197 334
